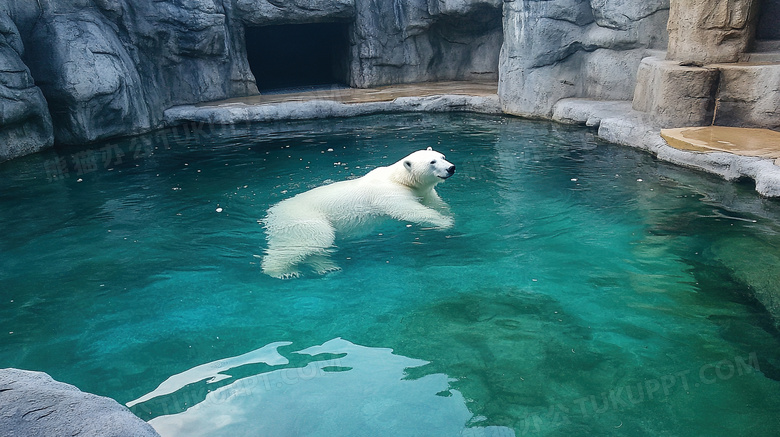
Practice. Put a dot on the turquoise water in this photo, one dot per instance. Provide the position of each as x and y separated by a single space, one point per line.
585 289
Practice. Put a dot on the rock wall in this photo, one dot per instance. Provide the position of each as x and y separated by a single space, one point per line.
556 49
424 40
108 68
25 123
709 31
91 84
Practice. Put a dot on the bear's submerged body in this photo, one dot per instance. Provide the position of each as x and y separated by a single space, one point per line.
301 230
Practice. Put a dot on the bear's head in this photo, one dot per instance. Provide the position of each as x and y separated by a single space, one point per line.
427 167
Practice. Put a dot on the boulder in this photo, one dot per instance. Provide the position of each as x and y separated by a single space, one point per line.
708 31
25 123
748 95
33 404
675 95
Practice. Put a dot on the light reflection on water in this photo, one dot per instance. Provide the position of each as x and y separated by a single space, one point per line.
345 390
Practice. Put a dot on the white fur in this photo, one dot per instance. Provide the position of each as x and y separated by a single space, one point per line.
302 229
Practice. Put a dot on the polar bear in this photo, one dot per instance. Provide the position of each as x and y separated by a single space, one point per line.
301 230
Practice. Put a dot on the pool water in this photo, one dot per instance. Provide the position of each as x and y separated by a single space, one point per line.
585 289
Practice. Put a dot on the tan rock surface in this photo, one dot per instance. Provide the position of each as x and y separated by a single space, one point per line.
707 31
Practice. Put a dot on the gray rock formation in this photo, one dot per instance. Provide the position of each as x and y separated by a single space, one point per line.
418 40
25 124
264 13
92 86
111 67
558 49
33 404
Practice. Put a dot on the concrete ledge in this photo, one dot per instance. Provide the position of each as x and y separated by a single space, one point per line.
619 124
318 109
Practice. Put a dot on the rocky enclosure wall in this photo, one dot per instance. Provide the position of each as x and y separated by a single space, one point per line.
79 71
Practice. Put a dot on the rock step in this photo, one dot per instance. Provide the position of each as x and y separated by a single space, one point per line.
762 143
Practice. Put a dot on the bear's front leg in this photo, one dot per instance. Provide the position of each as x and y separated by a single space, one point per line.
417 213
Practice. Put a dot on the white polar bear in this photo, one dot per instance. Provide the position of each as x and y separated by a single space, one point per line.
302 229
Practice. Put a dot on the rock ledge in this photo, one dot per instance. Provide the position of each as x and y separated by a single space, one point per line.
618 123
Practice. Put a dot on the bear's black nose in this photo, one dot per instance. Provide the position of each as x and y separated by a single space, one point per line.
451 170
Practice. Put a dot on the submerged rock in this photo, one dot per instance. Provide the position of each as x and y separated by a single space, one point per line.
33 404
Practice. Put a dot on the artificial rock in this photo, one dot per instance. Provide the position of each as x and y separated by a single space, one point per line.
109 68
708 31
560 49
748 95
25 124
675 95
33 404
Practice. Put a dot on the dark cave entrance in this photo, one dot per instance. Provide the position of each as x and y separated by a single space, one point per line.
298 55
769 20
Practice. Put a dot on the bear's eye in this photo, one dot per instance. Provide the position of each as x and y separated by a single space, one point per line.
433 162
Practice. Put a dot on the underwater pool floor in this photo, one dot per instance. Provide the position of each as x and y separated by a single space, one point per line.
585 289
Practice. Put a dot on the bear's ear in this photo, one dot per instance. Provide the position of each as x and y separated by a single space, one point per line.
429 149
408 165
